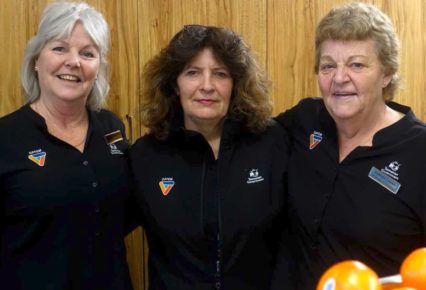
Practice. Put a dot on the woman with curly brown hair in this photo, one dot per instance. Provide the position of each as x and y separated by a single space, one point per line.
210 176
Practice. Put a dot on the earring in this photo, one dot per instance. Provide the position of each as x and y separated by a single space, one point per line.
36 68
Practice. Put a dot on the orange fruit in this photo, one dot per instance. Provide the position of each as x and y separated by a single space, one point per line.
349 275
413 269
392 286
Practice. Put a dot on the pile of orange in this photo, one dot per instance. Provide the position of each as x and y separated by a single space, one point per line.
349 275
354 275
413 270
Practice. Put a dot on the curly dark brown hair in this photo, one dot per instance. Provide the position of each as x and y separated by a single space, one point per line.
250 100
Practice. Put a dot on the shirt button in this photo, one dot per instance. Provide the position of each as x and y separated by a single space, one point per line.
85 162
94 184
217 285
97 210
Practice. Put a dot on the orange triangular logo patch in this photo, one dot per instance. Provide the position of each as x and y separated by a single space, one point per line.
166 185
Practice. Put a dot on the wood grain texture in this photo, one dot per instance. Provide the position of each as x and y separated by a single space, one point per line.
13 37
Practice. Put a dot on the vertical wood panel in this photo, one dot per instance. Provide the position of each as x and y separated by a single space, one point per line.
410 21
124 55
290 51
13 36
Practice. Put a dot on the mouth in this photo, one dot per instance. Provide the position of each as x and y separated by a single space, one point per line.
344 94
71 78
206 101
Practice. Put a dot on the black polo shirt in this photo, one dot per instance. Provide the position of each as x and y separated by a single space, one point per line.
61 210
370 207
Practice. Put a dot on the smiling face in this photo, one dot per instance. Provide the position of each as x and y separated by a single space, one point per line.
351 78
204 88
67 68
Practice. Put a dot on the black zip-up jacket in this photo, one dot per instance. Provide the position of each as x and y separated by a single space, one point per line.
177 183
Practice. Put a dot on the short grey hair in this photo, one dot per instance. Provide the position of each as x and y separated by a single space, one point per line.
362 21
57 22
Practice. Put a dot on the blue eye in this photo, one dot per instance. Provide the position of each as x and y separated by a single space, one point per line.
357 65
58 48
88 54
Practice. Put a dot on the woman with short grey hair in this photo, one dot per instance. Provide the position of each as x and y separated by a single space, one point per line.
361 153
63 175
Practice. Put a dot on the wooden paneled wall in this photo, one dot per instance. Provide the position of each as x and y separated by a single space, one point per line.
280 32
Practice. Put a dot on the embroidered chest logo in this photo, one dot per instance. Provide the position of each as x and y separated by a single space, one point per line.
315 139
254 176
166 185
38 157
115 150
387 177
394 166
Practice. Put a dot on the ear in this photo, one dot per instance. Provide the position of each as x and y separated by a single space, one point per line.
386 80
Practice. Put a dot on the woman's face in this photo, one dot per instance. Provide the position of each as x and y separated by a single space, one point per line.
351 78
204 88
67 68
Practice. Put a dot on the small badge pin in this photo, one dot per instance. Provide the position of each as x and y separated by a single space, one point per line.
38 157
166 185
315 139
113 137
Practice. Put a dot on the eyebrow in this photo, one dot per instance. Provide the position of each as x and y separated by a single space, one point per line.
91 45
327 57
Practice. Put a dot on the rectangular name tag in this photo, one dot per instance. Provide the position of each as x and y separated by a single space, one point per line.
113 137
384 180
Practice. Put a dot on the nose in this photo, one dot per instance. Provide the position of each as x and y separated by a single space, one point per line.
207 83
340 75
73 60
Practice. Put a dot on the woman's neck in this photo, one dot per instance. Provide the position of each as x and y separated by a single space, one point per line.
360 131
64 116
68 124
